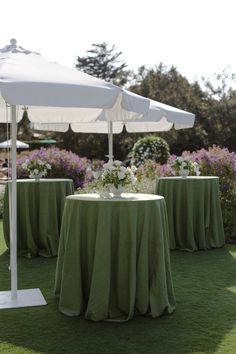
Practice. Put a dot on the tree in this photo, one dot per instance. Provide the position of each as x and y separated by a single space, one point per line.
170 87
103 61
92 146
222 109
24 131
214 105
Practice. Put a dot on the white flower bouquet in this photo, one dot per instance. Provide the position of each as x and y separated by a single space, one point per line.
183 166
114 178
36 168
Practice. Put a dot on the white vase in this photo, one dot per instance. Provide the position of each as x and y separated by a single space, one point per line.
117 191
103 194
37 177
184 173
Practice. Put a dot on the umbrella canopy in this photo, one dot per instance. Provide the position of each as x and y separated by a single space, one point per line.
160 117
8 144
28 79
67 96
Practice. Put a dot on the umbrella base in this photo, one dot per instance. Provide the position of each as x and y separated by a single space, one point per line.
25 298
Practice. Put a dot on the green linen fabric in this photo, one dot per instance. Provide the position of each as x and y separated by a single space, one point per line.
113 260
40 207
194 212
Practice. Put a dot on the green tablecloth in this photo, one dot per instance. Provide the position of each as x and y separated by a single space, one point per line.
40 207
194 212
113 259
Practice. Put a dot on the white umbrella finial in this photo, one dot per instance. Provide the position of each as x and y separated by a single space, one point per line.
13 41
14 48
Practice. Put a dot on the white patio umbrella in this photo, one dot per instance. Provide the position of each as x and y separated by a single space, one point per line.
8 144
26 80
160 117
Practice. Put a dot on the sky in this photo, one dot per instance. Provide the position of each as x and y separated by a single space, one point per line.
196 36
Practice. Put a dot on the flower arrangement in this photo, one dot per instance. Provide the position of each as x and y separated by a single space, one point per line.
114 178
184 166
36 168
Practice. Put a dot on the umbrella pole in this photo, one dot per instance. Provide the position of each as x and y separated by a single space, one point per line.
13 221
110 141
16 298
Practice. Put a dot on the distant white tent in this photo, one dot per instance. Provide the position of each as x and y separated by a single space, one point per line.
8 144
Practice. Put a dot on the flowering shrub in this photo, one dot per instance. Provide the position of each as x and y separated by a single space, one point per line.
64 164
150 148
221 162
184 166
36 168
149 169
94 167
217 162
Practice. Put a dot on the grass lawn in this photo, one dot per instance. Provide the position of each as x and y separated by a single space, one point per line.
204 321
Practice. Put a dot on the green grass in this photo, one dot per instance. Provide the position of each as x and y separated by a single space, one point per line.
204 321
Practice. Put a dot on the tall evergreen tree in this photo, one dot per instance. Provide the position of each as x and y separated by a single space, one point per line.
103 61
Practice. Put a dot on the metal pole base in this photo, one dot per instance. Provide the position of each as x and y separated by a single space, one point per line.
25 298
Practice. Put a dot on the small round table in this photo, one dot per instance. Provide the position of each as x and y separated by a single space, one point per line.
113 259
40 207
194 211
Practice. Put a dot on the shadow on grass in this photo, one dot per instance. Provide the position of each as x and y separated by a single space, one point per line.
205 289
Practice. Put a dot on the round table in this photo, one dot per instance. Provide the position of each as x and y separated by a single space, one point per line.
113 260
40 205
194 211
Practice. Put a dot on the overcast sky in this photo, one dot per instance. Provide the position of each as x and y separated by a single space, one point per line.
196 36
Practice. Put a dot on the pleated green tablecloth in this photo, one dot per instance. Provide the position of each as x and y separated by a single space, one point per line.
40 207
113 259
194 211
